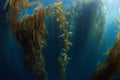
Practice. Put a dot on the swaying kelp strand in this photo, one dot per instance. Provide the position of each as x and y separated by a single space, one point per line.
30 33
63 58
108 69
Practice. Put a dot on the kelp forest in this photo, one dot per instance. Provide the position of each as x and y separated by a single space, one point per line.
62 31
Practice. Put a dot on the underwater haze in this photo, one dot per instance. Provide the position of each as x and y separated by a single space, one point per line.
59 39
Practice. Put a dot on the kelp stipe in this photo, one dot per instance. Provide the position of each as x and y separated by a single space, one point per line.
109 68
30 33
63 58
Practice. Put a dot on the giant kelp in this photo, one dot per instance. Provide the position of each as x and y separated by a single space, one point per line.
30 34
63 58
109 68
89 24
89 21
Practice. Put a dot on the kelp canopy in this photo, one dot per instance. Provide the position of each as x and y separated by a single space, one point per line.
30 33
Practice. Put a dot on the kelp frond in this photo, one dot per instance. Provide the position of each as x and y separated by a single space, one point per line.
109 68
63 58
47 9
30 33
118 36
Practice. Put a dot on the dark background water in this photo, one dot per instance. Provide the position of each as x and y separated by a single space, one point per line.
85 52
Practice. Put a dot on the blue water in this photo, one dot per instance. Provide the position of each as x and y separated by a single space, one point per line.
84 59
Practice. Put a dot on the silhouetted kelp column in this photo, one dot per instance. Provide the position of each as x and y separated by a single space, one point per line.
64 27
110 68
89 21
30 34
